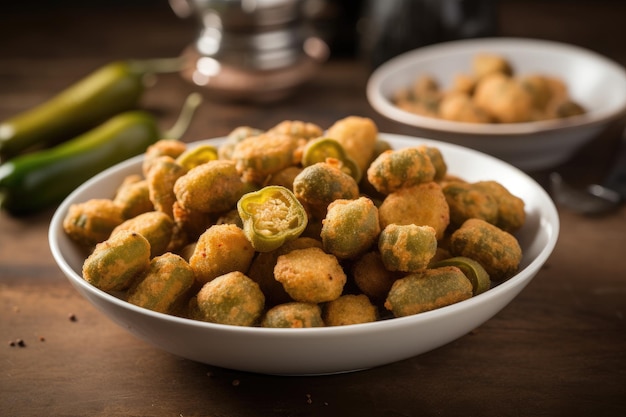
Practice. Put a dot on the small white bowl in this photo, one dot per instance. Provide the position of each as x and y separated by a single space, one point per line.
594 81
330 349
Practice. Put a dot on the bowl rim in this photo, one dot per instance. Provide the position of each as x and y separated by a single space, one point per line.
522 278
383 105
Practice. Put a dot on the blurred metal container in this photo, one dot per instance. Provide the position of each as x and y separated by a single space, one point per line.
252 50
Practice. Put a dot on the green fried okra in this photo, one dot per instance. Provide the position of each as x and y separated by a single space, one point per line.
422 204
118 261
320 184
407 248
212 187
349 309
511 214
428 290
167 280
163 174
350 227
399 168
164 147
133 196
436 157
466 201
310 275
496 250
222 248
93 221
156 226
225 151
232 298
293 315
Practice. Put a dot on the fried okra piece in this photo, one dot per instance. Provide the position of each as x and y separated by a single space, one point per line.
497 251
163 174
220 249
167 280
191 223
118 261
466 201
164 147
460 107
349 309
156 226
212 187
293 315
350 227
428 290
358 136
310 275
258 157
92 221
511 214
422 204
371 276
262 269
437 159
399 168
504 99
133 196
232 298
297 129
320 184
225 151
285 177
486 64
407 248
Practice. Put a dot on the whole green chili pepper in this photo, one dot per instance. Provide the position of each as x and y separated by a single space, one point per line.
34 181
110 90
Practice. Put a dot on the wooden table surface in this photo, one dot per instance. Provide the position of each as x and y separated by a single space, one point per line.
559 349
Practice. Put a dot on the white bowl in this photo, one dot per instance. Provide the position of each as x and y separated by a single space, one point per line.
596 82
330 349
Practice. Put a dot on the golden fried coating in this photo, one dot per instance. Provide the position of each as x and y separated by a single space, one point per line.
258 157
428 290
349 309
371 276
262 269
497 251
92 221
222 248
118 261
422 204
163 173
466 201
297 129
358 136
486 64
460 107
399 168
407 248
293 315
164 147
511 214
133 196
212 187
310 275
156 226
504 99
232 298
350 227
167 280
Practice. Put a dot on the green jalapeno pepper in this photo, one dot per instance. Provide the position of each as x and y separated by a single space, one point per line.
473 270
110 90
271 216
319 150
34 181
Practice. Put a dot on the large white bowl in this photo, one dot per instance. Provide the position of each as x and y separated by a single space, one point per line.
331 349
596 82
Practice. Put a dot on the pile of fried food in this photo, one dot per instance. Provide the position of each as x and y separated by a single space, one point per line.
490 93
297 227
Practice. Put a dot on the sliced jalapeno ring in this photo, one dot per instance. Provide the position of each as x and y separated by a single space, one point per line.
473 270
319 150
199 155
271 216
